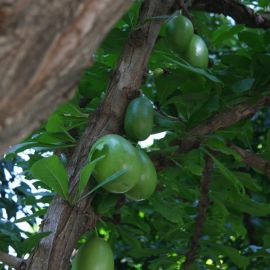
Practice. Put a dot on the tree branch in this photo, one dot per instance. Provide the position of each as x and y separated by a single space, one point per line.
67 223
202 209
250 229
253 160
12 261
184 8
220 121
238 11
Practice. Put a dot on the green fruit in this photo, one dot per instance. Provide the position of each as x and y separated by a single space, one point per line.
148 180
139 119
96 254
197 52
119 154
158 71
179 32
74 264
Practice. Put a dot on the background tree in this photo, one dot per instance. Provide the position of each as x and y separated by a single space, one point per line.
211 208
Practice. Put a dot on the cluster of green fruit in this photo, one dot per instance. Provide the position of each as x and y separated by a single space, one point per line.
139 178
138 182
181 38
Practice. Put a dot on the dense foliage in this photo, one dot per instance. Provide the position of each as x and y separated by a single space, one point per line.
156 233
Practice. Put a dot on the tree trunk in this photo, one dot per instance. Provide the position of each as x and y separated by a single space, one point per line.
67 223
44 46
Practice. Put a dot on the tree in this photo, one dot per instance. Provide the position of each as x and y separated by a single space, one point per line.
36 52
211 207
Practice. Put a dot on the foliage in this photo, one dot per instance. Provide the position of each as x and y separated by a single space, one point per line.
156 233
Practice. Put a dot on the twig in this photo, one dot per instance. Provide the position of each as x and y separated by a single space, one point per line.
12 261
238 11
184 9
202 209
253 160
220 121
250 229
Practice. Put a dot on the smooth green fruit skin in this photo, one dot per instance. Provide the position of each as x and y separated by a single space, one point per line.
179 32
119 154
148 180
139 119
96 254
197 52
158 71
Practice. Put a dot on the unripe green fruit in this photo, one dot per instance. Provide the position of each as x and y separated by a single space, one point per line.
119 154
139 119
158 71
179 32
96 254
148 180
197 52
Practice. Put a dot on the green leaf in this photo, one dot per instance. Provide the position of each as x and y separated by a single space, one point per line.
169 210
247 205
38 213
253 38
109 179
225 33
21 146
28 244
186 66
86 172
70 109
243 85
217 143
248 181
264 3
52 172
193 162
234 255
129 239
56 124
105 202
228 174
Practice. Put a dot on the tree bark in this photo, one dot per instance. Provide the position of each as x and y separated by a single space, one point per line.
67 223
254 161
44 46
12 261
202 210
241 13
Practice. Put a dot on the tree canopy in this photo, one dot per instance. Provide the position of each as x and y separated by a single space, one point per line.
210 145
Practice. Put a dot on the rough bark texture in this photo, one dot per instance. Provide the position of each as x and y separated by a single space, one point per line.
233 8
67 223
43 48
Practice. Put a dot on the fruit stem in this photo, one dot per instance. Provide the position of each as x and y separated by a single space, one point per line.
184 9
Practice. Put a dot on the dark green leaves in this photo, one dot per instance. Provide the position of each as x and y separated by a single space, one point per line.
168 209
185 66
229 175
243 85
225 35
